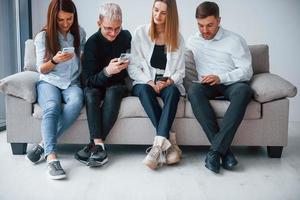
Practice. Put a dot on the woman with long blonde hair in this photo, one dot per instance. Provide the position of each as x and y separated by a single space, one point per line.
157 69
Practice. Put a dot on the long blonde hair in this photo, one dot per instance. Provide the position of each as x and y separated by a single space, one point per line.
171 26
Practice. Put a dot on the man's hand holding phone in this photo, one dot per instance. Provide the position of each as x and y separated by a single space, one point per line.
210 80
116 66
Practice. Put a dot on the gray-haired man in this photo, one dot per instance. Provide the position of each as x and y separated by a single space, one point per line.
103 77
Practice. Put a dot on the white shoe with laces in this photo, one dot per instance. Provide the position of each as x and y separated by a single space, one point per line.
157 155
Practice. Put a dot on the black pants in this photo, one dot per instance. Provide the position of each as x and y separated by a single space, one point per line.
101 118
239 95
161 118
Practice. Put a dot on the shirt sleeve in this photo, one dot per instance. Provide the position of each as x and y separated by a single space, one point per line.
90 75
242 62
135 68
40 49
179 74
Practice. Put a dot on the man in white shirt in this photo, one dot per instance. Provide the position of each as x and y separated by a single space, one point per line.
223 63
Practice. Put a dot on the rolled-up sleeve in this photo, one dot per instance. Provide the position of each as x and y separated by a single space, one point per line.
40 49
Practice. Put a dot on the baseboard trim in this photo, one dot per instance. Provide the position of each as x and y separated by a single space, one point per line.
2 125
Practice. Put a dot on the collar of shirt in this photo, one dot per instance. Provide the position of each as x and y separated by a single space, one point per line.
217 37
61 37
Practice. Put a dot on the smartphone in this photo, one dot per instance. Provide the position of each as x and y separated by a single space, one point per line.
124 57
68 50
163 79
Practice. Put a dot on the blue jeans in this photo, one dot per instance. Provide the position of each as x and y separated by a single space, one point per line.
56 116
239 95
161 118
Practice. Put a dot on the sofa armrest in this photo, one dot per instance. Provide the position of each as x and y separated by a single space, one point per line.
22 85
268 87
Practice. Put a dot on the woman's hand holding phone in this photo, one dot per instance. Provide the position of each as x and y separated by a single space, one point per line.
62 57
164 82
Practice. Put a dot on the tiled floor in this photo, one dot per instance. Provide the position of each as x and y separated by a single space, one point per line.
125 177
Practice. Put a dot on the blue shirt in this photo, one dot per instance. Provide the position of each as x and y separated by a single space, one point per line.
65 73
226 55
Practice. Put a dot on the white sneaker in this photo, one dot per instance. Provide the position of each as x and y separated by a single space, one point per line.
173 153
157 155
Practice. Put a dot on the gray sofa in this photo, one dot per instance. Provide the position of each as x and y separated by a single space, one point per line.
265 122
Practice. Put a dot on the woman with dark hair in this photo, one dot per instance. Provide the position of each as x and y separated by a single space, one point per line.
58 49
157 69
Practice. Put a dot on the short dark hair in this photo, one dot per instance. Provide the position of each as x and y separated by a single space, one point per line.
206 9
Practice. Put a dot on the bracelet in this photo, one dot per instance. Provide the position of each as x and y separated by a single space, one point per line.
53 62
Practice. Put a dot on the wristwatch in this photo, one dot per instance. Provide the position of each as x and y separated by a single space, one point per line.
53 62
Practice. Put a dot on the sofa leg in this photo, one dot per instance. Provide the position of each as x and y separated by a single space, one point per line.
18 148
274 151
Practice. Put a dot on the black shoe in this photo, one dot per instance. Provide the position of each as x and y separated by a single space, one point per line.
35 154
84 154
228 160
212 161
98 157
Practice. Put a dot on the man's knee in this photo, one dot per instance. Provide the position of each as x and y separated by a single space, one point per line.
242 90
195 91
115 93
93 95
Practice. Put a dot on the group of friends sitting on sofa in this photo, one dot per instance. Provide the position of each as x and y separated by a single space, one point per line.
74 71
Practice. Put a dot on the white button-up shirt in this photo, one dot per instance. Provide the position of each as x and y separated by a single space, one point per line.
226 55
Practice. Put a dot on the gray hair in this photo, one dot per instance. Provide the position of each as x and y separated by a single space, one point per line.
110 10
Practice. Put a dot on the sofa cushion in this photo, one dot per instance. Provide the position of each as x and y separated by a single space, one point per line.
220 106
260 58
190 69
29 56
130 107
268 87
38 112
22 85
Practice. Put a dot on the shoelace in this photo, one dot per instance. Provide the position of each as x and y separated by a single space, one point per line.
155 152
97 149
57 166
88 147
37 150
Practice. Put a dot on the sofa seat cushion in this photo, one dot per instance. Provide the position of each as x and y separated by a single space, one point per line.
130 107
220 106
38 113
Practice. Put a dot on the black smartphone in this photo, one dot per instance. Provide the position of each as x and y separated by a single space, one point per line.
163 79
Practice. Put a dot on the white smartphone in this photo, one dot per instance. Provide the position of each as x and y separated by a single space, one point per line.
124 57
68 50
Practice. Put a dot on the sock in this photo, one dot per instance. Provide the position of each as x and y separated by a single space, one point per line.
102 144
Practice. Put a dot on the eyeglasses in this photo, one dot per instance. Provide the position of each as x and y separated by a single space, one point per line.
110 29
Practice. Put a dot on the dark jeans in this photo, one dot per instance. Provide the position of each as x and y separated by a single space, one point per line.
239 95
101 118
161 118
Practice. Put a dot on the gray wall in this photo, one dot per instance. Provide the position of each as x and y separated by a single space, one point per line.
272 22
8 61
